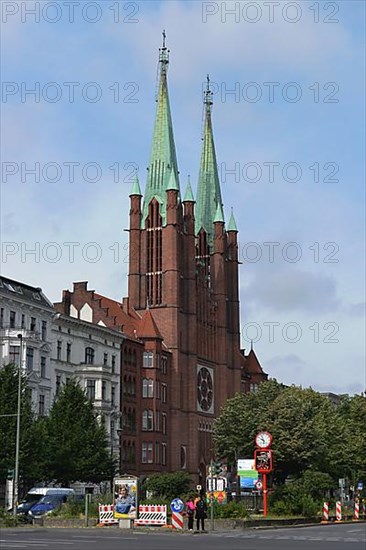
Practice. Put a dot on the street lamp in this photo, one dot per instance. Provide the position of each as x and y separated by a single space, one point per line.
17 444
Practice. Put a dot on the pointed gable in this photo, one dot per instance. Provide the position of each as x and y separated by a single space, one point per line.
148 329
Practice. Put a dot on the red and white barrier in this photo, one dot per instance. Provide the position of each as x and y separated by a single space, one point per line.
151 514
106 514
177 520
338 511
357 511
325 511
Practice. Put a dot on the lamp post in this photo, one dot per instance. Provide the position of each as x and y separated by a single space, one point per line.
17 443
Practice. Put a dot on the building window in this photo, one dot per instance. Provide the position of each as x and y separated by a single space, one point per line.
147 420
68 352
14 352
147 387
1 317
104 390
89 356
44 330
183 457
157 452
23 321
113 363
32 323
164 364
157 421
43 367
112 429
157 386
164 393
105 359
163 423
113 395
163 454
58 383
41 409
90 389
147 452
59 349
12 318
30 358
253 387
148 360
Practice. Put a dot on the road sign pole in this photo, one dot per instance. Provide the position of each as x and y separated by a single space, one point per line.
264 495
212 498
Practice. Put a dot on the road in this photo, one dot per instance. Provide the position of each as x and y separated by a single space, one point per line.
328 537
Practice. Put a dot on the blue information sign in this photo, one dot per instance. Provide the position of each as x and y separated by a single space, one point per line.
177 505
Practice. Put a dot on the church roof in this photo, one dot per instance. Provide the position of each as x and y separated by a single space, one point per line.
136 189
188 196
163 166
232 223
208 190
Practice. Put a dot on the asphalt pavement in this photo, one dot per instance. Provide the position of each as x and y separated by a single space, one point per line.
322 537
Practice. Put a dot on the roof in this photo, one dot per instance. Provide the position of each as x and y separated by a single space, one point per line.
251 364
22 291
232 223
128 323
148 328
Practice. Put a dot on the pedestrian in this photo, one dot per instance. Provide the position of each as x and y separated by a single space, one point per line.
201 512
190 508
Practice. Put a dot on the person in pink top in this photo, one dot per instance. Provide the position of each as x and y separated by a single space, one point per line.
190 508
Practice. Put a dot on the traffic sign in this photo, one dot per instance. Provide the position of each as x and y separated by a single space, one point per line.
258 485
177 505
199 488
359 486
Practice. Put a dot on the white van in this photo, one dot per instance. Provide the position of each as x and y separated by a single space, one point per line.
35 494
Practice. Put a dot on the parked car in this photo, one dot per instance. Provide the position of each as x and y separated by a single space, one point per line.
36 494
46 505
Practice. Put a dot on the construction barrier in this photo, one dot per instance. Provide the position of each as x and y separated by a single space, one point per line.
151 514
106 514
177 520
325 512
338 511
357 511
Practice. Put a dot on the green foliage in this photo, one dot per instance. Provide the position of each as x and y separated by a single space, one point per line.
230 510
75 508
77 443
309 433
168 486
30 440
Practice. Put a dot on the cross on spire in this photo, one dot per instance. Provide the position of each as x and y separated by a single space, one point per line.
163 54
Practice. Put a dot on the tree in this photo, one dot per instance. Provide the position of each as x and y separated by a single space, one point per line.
240 420
168 486
30 437
78 448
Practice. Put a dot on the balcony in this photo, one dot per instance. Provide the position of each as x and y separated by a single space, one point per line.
11 333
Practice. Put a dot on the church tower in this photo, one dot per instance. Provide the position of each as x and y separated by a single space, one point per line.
183 271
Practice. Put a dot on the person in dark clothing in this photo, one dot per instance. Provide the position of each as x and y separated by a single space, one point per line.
201 513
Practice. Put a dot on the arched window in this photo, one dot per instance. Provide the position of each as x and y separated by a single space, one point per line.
89 356
147 420
147 387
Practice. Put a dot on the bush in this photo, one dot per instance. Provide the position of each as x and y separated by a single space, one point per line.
231 510
168 486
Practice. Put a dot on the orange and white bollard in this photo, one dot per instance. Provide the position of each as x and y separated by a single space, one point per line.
325 512
338 511
357 511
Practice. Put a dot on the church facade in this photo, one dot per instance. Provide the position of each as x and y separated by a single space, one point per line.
181 359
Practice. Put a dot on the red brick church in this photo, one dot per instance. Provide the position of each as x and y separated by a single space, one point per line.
181 316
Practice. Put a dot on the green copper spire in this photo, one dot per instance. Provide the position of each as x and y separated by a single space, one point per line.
219 216
163 158
232 223
208 191
188 196
136 189
172 183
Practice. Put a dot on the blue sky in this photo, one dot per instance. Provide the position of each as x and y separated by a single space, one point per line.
314 306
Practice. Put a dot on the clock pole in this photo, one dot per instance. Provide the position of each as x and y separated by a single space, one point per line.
264 495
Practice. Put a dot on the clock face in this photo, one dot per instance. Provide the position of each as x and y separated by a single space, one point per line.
205 394
263 440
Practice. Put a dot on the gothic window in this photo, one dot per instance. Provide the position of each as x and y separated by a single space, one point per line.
147 387
148 360
147 420
154 255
